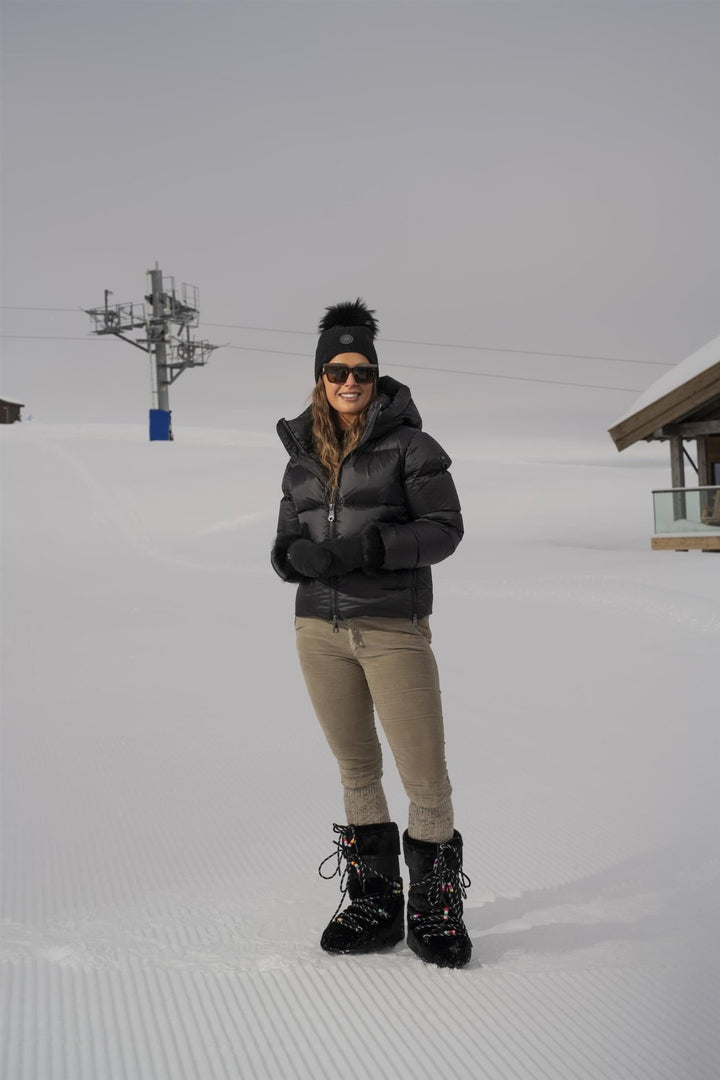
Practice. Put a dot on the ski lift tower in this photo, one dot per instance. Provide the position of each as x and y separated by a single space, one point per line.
167 317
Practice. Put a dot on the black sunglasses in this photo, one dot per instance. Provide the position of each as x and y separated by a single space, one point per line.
338 373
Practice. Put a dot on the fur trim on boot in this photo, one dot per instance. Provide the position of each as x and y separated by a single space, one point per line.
436 931
368 866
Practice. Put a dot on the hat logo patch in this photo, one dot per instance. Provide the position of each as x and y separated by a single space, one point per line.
346 339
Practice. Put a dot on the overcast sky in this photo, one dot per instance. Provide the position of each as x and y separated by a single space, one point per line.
530 176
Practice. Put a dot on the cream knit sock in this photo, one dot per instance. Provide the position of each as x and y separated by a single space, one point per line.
366 805
434 824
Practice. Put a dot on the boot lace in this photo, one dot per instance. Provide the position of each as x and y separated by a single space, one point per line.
364 911
446 889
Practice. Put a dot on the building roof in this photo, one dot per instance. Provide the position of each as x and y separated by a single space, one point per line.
10 401
691 385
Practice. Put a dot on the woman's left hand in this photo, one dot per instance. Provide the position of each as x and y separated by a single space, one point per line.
345 555
356 552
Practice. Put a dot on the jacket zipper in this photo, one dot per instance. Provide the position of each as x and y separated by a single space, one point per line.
333 590
414 598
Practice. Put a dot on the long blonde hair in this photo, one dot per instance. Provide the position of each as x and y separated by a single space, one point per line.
333 443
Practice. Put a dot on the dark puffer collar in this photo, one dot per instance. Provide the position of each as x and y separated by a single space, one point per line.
392 408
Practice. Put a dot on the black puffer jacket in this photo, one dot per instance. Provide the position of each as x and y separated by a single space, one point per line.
396 479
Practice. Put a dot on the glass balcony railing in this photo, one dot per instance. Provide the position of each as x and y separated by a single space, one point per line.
687 510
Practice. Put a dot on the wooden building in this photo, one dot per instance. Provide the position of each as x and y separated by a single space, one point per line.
10 411
683 407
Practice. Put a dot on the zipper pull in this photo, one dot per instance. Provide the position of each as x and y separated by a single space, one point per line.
336 628
331 512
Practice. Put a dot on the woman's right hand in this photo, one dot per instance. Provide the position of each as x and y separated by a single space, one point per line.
309 559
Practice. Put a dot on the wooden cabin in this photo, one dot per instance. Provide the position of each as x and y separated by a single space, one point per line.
681 408
10 411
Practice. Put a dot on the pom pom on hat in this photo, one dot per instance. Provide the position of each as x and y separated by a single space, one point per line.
346 327
349 313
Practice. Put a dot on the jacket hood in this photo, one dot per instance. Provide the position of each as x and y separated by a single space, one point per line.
392 407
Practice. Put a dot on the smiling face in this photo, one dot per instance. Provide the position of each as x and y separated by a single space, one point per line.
349 398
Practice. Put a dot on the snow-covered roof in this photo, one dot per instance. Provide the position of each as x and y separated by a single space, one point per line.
692 383
11 401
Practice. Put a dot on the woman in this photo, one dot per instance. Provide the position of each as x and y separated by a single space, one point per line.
368 505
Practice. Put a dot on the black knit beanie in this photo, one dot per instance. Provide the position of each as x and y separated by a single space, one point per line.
344 328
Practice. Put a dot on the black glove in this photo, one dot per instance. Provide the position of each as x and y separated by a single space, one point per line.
365 551
309 559
345 555
279 559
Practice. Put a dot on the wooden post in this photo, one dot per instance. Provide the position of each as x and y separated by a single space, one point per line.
712 449
677 474
702 462
706 500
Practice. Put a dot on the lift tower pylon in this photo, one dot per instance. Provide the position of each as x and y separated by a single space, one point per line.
167 319
157 334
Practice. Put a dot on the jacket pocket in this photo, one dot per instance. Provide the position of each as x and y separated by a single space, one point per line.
392 580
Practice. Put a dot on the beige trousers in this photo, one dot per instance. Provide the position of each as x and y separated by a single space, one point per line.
387 664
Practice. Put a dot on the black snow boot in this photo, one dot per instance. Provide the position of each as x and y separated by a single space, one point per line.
436 931
369 869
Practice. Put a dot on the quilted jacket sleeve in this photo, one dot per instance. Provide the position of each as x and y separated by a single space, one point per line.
435 526
288 529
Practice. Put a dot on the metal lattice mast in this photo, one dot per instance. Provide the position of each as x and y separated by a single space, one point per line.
171 353
157 336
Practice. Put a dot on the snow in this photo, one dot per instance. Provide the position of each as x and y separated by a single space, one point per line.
168 795
700 361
